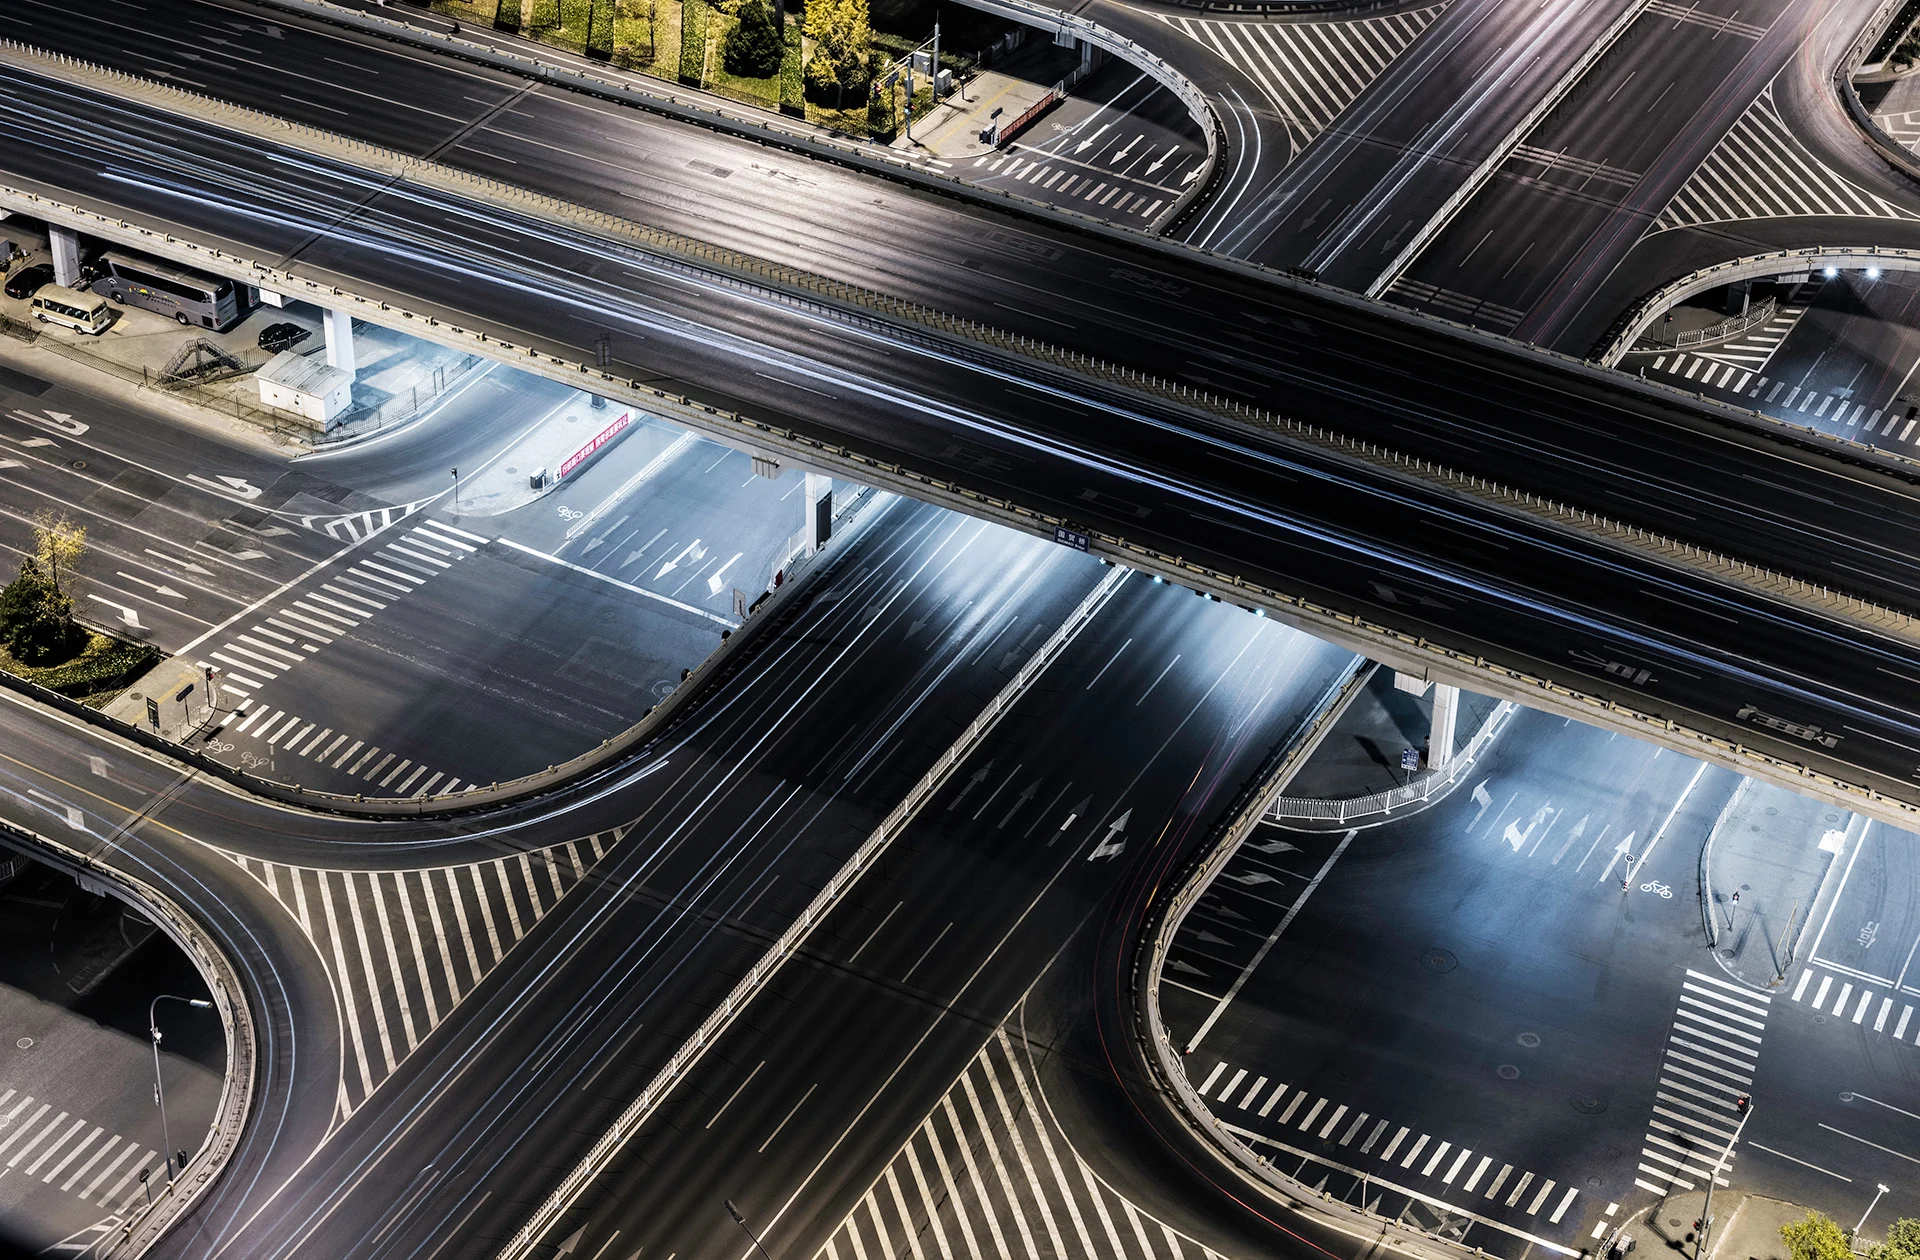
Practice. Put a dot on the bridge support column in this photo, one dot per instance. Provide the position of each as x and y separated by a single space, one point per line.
339 325
818 501
1446 704
1739 294
66 256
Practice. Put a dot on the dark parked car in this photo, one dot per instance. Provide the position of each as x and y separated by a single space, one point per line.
28 281
277 337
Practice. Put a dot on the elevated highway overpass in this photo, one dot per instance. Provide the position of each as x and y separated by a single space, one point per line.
1453 504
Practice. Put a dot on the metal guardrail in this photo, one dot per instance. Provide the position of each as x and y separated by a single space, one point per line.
1732 326
1426 790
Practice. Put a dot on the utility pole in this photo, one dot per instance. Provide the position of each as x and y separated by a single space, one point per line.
1744 1105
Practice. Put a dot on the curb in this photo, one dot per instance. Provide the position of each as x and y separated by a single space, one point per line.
1163 1060
205 1165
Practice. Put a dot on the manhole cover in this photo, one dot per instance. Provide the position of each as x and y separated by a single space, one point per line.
1771 811
1846 1096
512 471
76 463
1439 960
1588 1104
1746 888
662 689
1529 1040
1594 1183
25 1043
1726 953
1507 1072
1673 1222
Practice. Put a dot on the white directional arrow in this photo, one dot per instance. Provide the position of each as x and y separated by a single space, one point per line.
1573 838
35 443
1274 846
75 819
99 765
11 463
164 590
249 555
1191 175
915 627
674 563
1624 848
58 421
1481 798
1516 837
606 533
641 550
185 564
128 616
1162 160
1113 844
979 777
719 577
231 487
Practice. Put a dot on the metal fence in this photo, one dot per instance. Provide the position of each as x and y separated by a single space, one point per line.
1732 326
1419 792
400 407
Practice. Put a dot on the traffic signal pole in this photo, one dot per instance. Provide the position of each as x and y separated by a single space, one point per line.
1744 1105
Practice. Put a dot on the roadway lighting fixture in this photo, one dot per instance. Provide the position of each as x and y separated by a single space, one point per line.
159 1094
1830 272
1873 273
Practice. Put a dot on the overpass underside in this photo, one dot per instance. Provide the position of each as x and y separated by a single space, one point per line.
1436 572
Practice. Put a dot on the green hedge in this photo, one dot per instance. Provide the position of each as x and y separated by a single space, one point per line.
105 665
793 84
693 41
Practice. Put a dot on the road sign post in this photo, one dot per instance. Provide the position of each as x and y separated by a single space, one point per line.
153 713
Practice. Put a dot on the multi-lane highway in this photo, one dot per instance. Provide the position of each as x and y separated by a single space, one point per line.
1808 686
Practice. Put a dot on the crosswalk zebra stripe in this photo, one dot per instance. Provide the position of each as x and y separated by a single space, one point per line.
1760 170
1310 71
383 938
988 1175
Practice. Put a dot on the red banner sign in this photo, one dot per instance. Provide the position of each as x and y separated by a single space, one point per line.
585 453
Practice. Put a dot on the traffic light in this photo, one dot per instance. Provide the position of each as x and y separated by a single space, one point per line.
1741 1103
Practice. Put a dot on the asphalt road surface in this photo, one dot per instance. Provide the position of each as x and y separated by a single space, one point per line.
1468 1005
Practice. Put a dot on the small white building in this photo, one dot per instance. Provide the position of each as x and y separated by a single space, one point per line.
306 385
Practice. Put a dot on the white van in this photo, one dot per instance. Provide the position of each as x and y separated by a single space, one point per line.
86 312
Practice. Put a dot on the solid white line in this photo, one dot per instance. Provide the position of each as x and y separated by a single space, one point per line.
1875 1145
625 586
1803 1163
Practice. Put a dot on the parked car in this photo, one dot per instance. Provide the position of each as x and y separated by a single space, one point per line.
28 281
277 337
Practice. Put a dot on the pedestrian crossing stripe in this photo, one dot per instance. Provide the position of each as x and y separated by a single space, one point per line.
1310 71
1760 170
1713 1046
1868 1001
352 527
402 948
43 1142
1305 1115
989 1173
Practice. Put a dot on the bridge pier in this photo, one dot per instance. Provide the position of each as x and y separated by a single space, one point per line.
65 243
339 326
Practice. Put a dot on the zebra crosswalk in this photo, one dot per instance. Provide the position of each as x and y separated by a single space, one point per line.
307 619
1760 170
404 947
268 731
43 1142
1280 1115
1449 304
1310 71
351 527
1713 1047
1902 128
1857 997
989 1174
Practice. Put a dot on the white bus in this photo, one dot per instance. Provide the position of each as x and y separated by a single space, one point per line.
86 312
191 298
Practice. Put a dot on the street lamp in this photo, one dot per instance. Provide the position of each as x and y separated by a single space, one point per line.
741 1221
159 1090
1869 1212
1744 1105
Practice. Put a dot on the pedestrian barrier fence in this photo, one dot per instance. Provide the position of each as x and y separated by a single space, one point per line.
1732 326
1420 792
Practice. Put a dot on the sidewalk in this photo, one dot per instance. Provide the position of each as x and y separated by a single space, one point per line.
1746 1227
952 128
1774 848
506 483
1361 754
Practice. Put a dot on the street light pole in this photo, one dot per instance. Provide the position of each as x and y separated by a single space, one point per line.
1745 1105
159 1089
1869 1212
741 1221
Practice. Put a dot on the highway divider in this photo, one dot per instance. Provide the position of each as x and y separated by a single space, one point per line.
770 128
853 304
871 850
173 1200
